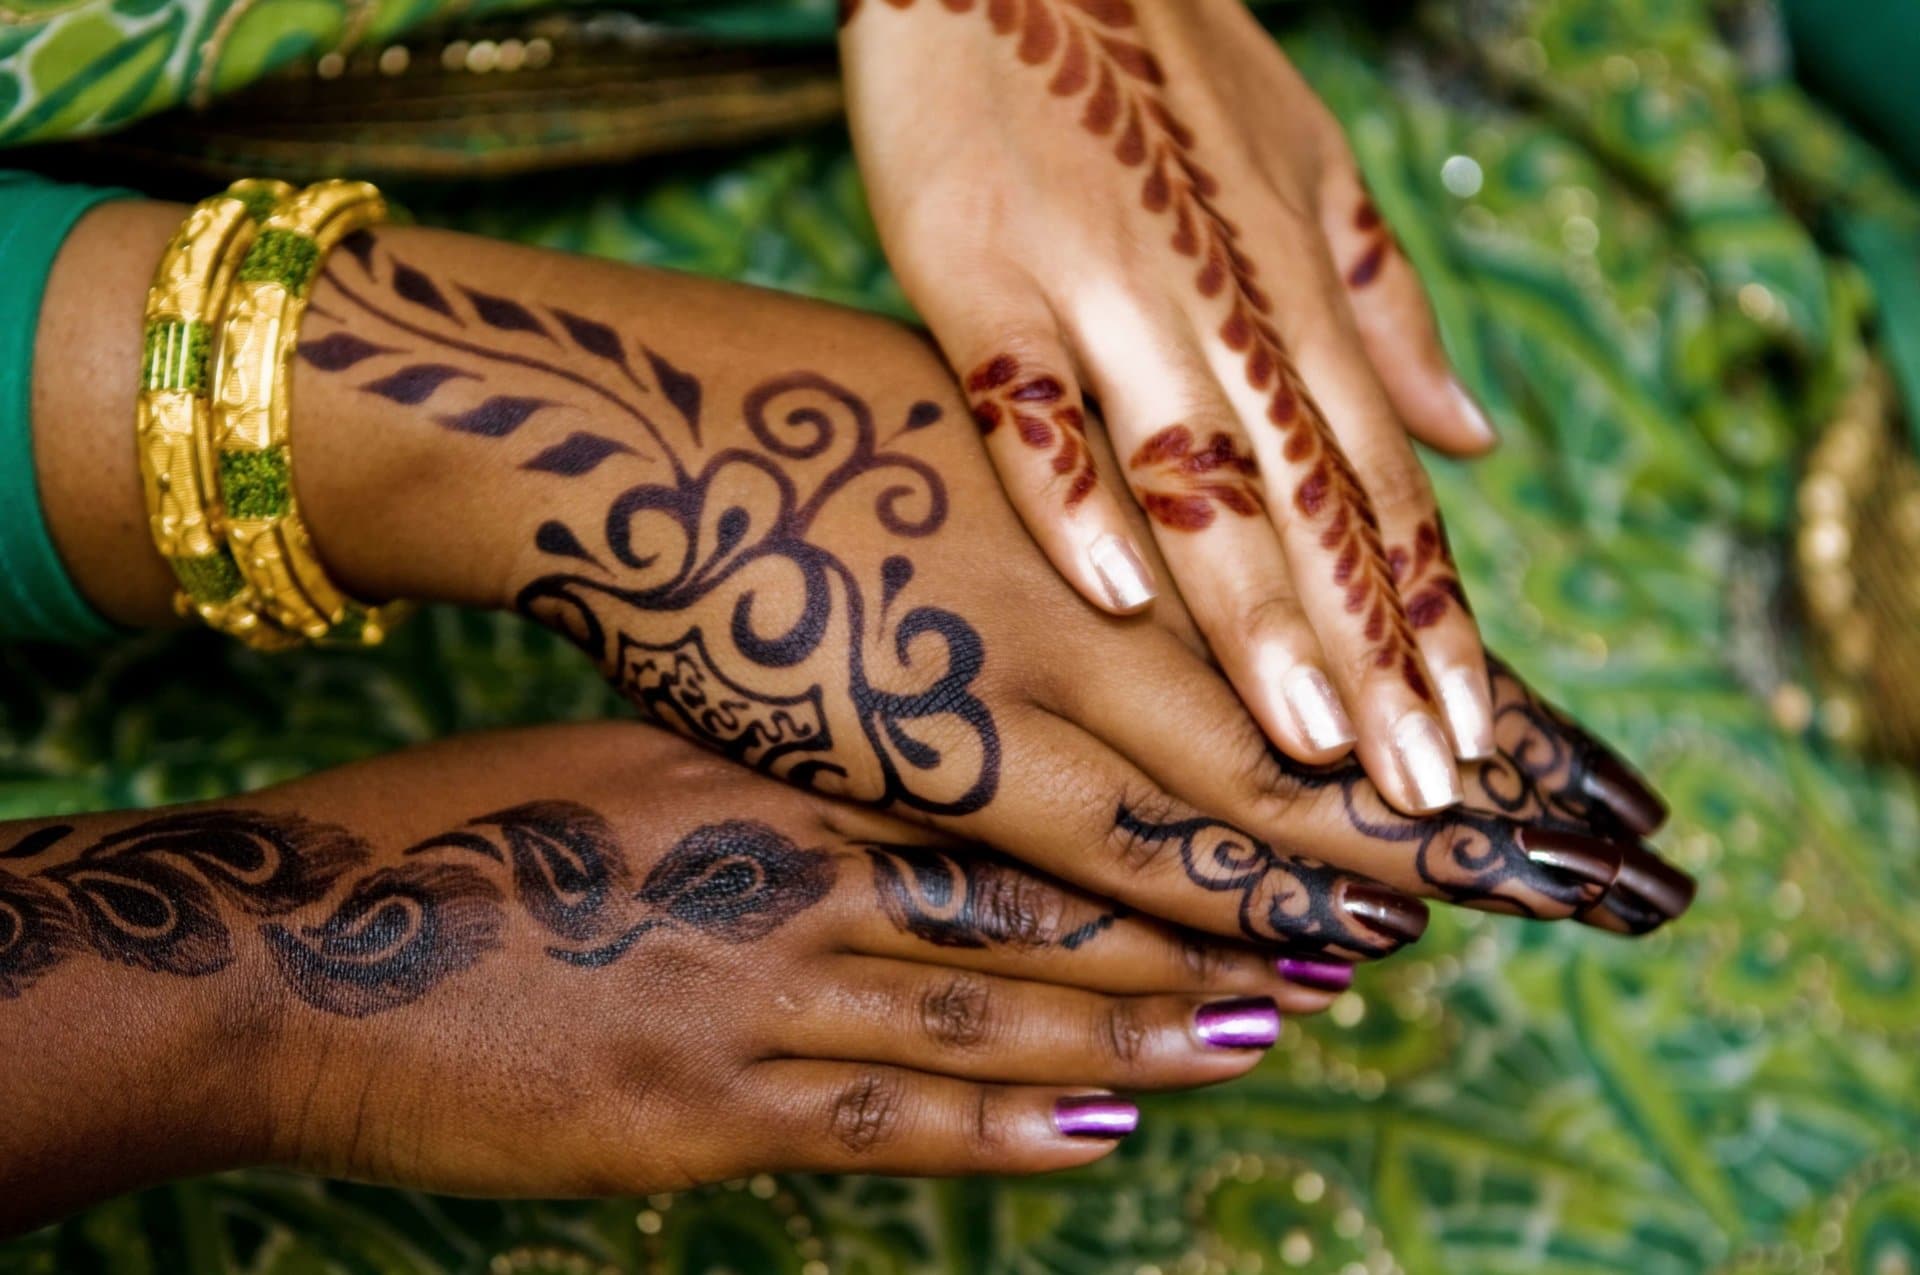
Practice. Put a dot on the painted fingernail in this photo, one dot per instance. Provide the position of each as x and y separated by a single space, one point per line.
1648 891
1465 698
1325 976
1586 864
1122 575
1428 773
1251 1022
1474 414
1317 710
1388 913
1095 1115
1610 781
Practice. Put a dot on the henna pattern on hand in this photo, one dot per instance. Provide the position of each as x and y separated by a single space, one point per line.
1379 247
1001 391
1090 48
668 602
178 894
1178 483
1426 577
977 901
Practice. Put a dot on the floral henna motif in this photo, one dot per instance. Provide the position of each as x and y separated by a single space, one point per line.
1179 483
1087 46
1379 246
1003 392
1425 575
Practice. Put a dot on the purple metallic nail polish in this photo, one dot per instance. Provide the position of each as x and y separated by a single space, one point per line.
1095 1115
1325 976
1252 1022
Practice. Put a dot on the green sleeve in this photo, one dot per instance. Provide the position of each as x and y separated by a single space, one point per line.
37 598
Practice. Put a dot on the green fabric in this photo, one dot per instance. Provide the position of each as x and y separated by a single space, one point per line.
1646 285
1862 53
37 599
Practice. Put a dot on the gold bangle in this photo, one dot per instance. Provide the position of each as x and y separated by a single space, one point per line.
252 416
172 416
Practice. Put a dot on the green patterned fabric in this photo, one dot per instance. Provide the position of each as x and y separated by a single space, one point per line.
1629 226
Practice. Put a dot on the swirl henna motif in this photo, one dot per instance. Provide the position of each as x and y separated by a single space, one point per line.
180 894
669 601
977 901
1090 48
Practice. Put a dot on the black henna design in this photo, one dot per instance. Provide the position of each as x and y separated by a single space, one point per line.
978 901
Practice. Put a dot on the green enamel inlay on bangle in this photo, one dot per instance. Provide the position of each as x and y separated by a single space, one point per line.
175 357
255 484
209 579
285 257
259 200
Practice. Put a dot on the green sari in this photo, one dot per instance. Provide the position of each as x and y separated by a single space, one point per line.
1633 227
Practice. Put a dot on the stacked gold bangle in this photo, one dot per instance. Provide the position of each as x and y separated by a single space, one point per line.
213 422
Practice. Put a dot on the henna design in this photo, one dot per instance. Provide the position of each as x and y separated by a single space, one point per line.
979 901
1088 45
1178 483
1426 577
1379 247
1003 391
149 897
666 599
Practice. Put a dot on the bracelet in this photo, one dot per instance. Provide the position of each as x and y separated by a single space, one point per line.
183 311
252 414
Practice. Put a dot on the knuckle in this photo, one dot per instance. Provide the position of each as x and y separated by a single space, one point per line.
957 1013
1140 811
991 1129
1203 961
1396 481
865 1113
1019 909
1122 1035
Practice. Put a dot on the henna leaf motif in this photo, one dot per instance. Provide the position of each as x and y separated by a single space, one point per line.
338 351
413 285
416 383
579 453
593 336
495 418
557 538
681 388
504 313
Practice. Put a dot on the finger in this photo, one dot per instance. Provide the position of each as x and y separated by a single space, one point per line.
1473 854
1093 819
1396 325
983 1027
971 908
1647 893
836 1117
1030 410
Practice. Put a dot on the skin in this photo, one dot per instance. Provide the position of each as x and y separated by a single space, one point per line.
497 966
770 522
1142 201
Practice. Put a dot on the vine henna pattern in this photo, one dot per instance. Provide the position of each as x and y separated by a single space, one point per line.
1002 391
1178 482
1088 46
977 901
1426 576
1379 247
667 602
179 895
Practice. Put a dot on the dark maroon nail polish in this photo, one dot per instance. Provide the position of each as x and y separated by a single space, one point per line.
1649 891
1386 912
1325 976
1587 864
1610 781
1250 1022
1095 1115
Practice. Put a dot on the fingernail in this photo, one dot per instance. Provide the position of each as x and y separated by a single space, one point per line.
1326 976
1317 711
1122 575
1648 891
1464 697
1474 414
1386 912
1426 762
1095 1115
1610 781
1251 1022
1587 864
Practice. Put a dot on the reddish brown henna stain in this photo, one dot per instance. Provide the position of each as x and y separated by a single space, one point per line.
1087 44
1179 481
1379 246
1426 577
1002 391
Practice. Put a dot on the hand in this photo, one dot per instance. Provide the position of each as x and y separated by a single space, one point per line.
500 966
768 524
1144 196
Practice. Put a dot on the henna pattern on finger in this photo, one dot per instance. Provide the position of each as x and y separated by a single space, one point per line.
978 901
848 692
1002 392
1178 482
1424 573
1091 50
180 894
1378 248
